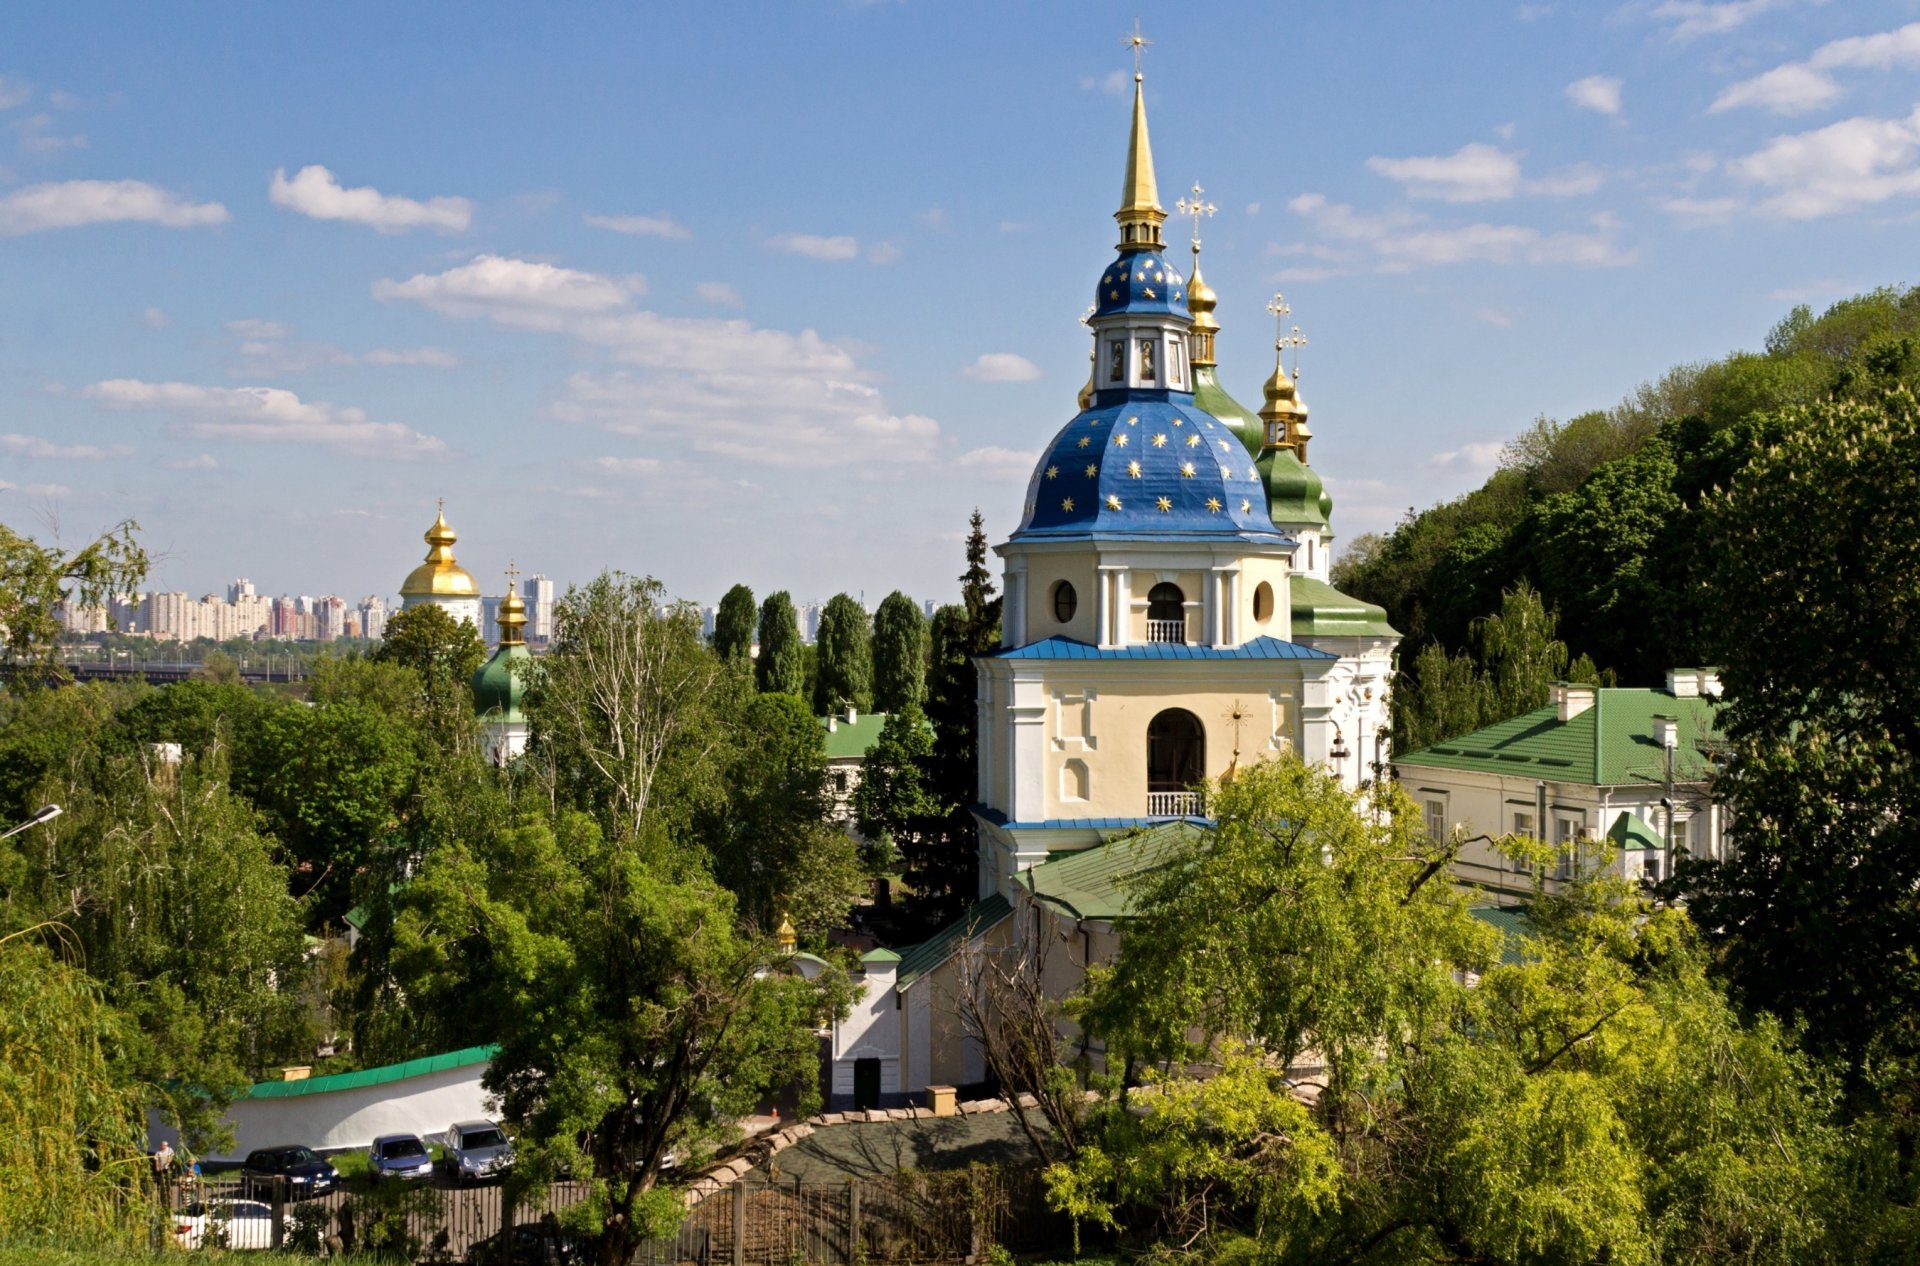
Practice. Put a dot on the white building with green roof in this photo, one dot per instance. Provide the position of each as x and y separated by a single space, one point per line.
1631 767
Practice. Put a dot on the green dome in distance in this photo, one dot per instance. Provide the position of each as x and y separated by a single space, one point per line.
501 682
1295 494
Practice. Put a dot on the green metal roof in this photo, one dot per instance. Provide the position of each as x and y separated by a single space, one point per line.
1610 744
1242 421
880 956
1294 492
852 739
371 1076
1629 832
1092 883
1511 921
935 950
1320 610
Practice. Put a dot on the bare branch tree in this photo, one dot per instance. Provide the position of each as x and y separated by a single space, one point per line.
1004 1006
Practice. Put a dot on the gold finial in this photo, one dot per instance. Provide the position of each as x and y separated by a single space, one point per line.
440 537
512 614
1281 310
1140 214
1086 392
785 936
1195 208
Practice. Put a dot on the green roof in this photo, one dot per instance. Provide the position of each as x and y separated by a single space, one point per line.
1242 421
1294 492
1610 744
1511 921
935 950
852 739
371 1076
1092 883
1320 610
1628 831
880 956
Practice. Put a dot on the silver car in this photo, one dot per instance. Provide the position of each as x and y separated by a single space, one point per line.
476 1151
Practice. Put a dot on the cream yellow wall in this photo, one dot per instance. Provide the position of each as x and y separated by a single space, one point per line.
1191 584
1274 572
1114 749
943 1054
1043 572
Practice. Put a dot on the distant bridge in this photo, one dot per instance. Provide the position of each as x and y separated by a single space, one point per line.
166 673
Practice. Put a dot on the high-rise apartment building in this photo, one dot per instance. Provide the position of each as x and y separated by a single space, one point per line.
373 616
538 591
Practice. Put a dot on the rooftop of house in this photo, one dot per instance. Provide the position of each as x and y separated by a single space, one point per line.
851 734
1094 883
1598 736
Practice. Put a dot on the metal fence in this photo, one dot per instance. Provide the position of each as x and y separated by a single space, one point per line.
922 1217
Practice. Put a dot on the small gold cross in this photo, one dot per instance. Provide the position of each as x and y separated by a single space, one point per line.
1138 43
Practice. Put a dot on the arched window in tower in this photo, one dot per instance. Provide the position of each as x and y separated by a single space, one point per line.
1147 377
1166 613
1117 360
1176 761
1263 603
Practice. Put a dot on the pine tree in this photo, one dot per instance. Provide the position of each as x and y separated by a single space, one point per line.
781 668
899 654
845 672
733 624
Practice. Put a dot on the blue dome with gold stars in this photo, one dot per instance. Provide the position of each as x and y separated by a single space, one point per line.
1141 281
1149 464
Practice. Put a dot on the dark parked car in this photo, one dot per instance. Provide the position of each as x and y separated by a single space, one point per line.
305 1173
401 1156
528 1244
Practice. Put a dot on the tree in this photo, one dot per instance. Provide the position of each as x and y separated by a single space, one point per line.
894 804
1393 1087
1441 697
942 864
37 580
637 1023
845 673
899 653
1819 649
781 668
733 624
443 652
771 843
1519 654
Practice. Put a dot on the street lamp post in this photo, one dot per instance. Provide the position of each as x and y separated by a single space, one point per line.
46 814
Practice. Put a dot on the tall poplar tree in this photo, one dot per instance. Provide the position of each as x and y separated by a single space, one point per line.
781 668
845 645
899 654
733 624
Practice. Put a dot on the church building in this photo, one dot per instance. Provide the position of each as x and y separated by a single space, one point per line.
1168 615
440 581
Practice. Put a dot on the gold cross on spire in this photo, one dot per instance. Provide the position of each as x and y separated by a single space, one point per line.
440 505
1138 43
513 575
1086 318
1195 208
1281 310
1296 341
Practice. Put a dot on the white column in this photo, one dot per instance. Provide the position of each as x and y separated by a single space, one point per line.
1123 605
1102 607
1027 732
1234 637
1209 609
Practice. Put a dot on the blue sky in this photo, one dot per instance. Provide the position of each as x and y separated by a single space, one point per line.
779 293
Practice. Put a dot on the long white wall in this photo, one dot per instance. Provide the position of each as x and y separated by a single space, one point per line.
334 1120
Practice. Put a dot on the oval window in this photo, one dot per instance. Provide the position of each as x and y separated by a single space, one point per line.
1065 602
1263 603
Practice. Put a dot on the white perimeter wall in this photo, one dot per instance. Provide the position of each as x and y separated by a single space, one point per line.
346 1119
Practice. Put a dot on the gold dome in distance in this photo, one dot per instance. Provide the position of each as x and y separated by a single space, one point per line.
440 576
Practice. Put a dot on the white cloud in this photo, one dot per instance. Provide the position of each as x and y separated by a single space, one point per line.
67 204
724 388
419 357
255 327
1113 83
1694 18
640 225
883 253
719 294
36 490
1494 317
998 463
1797 87
1001 367
268 414
205 461
34 446
1402 241
1596 92
814 246
13 92
934 218
1853 163
156 318
629 465
37 136
1477 172
1483 455
1702 211
490 283
314 192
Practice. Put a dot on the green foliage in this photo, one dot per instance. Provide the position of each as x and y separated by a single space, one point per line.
35 580
733 624
781 668
1387 1087
895 805
899 654
71 1165
443 654
845 667
770 841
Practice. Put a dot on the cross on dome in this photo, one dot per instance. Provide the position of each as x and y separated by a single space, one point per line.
1296 341
1195 208
1138 43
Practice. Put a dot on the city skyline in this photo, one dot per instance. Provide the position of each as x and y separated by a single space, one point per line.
272 297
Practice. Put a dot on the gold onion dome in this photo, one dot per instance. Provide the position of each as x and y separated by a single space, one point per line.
512 619
440 576
1201 301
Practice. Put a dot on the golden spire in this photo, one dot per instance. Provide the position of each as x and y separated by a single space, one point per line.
512 616
440 576
1140 214
1200 297
440 537
1283 412
784 936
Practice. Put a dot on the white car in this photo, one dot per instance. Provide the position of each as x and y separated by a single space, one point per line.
224 1223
